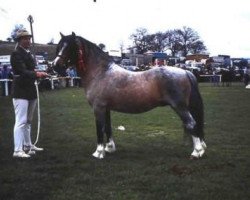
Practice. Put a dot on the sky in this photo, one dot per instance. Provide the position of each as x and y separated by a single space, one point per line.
223 25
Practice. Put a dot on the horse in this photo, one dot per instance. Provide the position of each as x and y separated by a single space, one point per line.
109 87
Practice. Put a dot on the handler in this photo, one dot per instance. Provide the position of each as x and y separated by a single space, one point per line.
24 94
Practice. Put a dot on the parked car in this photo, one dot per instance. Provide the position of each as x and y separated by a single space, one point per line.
126 62
41 67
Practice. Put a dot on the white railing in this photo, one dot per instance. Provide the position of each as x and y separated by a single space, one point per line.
6 88
211 76
52 79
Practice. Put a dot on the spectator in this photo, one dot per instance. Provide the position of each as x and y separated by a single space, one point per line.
215 78
247 75
71 72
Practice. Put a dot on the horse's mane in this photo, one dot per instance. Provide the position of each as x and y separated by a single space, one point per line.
92 49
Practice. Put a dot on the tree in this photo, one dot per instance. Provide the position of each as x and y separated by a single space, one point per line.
172 42
178 41
140 40
189 41
157 42
198 47
149 41
51 41
9 39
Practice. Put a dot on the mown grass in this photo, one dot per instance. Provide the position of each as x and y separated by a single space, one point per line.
151 161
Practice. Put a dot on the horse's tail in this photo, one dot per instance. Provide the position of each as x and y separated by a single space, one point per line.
196 106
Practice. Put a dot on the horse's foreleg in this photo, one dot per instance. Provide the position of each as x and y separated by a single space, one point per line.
99 152
100 128
110 145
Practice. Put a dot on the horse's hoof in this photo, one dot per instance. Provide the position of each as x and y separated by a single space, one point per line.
196 154
100 152
110 147
99 155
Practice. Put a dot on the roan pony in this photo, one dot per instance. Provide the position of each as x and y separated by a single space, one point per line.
110 87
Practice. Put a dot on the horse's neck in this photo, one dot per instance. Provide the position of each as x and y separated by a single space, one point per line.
95 62
92 73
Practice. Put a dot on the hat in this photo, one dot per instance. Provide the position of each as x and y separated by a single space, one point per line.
22 33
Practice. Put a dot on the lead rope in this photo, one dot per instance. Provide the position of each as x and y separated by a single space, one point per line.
38 114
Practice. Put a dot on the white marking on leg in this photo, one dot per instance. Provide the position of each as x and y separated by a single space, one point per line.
110 146
100 152
199 147
203 144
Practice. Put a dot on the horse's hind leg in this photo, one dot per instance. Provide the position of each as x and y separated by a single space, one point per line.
199 148
189 127
110 145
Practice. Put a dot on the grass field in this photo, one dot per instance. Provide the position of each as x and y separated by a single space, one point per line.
151 161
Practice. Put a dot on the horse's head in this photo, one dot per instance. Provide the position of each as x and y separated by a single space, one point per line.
81 53
66 52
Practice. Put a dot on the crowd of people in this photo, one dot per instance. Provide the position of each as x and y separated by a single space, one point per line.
225 75
229 75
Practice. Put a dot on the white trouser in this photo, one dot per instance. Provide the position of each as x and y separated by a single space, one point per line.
24 110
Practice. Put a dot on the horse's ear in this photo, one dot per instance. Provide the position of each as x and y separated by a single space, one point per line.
61 35
73 35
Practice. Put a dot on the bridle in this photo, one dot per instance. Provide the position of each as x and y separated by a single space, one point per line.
59 56
80 52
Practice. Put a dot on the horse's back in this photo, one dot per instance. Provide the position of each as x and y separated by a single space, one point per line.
135 92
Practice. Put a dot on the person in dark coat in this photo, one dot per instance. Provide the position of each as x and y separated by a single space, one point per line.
24 94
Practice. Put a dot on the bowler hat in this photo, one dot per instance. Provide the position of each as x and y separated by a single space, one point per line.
22 33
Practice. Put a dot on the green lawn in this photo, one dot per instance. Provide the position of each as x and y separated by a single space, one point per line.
151 161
